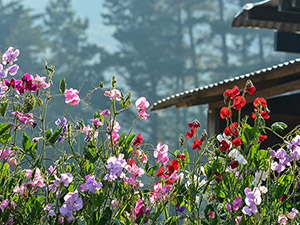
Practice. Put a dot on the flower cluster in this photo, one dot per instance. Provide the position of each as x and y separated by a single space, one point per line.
115 166
91 185
7 66
71 96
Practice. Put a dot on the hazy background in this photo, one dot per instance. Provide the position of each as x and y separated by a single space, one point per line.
155 48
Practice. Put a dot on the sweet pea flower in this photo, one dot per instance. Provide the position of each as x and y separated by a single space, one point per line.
293 214
4 204
161 153
237 202
91 185
113 94
115 166
10 56
72 202
66 179
253 198
40 81
211 215
12 70
142 104
282 219
72 96
105 112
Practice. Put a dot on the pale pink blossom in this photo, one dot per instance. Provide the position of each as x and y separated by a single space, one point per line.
113 94
40 81
72 96
161 153
282 219
142 104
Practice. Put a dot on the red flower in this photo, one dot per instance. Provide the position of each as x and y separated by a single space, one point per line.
190 134
283 197
224 113
261 101
181 156
262 138
160 172
239 102
224 146
237 142
172 167
197 144
138 140
194 124
218 176
233 164
250 89
131 162
231 93
265 114
169 182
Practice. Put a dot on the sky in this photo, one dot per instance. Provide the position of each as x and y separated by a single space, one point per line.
98 32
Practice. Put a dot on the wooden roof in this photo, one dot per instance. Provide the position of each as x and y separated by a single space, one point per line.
283 16
275 80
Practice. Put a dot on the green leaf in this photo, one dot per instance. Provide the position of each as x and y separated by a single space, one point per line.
26 142
129 139
5 132
62 85
249 134
91 153
106 216
55 135
3 107
29 103
172 220
278 126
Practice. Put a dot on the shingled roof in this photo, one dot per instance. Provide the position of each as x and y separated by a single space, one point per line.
269 82
283 16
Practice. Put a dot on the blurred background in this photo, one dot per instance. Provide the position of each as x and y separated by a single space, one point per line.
155 48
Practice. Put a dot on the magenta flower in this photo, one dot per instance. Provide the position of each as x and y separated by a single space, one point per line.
105 112
24 118
5 154
142 104
228 207
91 185
72 202
72 96
113 94
10 56
97 123
237 202
4 204
161 153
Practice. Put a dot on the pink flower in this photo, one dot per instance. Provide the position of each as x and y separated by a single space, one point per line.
211 215
115 129
161 153
237 202
105 112
4 204
144 158
38 180
238 219
97 123
40 81
293 214
282 219
142 104
228 207
115 203
113 94
72 96
5 154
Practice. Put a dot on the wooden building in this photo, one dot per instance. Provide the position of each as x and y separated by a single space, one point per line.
279 84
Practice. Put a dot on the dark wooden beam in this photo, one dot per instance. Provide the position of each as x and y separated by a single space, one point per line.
271 13
287 42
